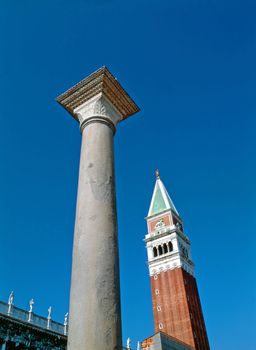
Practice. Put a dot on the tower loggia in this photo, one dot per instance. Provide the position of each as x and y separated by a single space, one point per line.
176 303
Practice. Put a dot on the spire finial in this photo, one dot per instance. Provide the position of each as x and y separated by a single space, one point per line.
157 174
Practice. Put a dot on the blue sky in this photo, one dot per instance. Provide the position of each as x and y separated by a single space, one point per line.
190 66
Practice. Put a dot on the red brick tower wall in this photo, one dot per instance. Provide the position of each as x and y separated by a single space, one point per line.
196 313
177 308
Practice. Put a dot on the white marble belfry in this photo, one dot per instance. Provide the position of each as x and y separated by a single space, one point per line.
99 103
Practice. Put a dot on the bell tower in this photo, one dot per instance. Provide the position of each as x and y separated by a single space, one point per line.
176 303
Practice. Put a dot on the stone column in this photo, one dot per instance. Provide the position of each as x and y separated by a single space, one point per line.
98 103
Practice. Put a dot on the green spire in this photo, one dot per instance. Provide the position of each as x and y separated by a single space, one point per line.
161 200
158 203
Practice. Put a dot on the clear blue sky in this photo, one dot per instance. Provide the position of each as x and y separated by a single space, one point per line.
190 66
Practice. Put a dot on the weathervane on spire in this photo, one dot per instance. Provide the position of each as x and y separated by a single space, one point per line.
157 174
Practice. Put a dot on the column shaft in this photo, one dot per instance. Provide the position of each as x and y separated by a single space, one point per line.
95 317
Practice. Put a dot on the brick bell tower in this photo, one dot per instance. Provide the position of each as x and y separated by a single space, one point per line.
176 303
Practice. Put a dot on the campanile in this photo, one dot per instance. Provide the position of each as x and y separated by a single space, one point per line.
176 303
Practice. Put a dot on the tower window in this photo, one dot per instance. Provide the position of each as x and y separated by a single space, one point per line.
158 308
160 250
155 277
170 246
161 326
154 252
165 248
157 291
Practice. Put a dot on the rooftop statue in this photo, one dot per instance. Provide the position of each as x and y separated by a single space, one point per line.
49 313
10 302
66 319
65 323
11 298
31 303
128 343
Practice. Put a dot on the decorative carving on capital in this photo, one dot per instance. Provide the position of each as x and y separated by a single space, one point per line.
97 109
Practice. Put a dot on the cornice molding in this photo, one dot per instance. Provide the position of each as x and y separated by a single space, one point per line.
100 83
155 270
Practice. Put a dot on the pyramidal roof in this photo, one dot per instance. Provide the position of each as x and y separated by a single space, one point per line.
160 200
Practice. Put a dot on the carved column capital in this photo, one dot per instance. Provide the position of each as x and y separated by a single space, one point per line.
97 110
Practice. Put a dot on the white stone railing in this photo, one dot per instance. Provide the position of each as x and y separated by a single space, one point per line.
33 319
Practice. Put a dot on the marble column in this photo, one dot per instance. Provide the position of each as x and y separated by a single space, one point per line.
99 103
